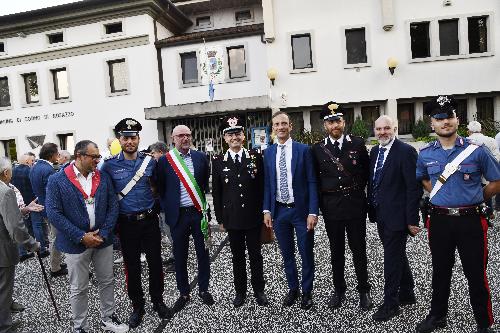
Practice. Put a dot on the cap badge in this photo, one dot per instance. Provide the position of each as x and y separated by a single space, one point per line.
232 121
130 123
333 107
442 100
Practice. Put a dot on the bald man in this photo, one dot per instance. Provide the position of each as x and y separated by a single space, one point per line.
64 159
183 176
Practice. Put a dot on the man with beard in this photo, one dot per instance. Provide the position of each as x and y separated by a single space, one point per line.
393 194
237 188
342 166
83 207
450 169
138 226
183 175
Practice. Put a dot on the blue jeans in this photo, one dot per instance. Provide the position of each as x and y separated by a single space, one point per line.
40 230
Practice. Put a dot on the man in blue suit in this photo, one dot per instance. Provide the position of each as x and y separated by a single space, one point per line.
82 205
291 203
182 213
393 195
39 176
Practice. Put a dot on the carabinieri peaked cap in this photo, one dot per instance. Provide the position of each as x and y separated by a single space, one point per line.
331 111
232 124
441 107
128 127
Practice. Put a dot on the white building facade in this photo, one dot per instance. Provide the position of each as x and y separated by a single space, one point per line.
339 51
71 72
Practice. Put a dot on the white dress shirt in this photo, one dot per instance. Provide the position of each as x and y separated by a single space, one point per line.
386 153
233 154
332 140
86 183
288 158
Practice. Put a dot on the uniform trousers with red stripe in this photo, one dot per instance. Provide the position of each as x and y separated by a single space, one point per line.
469 235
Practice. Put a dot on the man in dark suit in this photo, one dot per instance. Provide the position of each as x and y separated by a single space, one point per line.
291 204
393 195
237 189
39 176
342 165
184 204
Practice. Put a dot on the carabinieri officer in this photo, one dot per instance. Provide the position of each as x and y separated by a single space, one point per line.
238 189
343 168
138 224
450 169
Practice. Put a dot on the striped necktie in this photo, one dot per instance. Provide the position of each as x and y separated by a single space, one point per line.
285 196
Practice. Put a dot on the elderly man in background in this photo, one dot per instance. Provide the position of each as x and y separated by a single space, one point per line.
12 232
21 180
64 159
158 149
474 131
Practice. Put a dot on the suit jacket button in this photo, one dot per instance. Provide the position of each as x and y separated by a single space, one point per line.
238 176
241 195
242 205
239 185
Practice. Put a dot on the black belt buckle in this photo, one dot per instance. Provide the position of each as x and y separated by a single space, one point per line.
141 216
287 205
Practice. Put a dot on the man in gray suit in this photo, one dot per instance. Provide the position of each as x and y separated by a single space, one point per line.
12 232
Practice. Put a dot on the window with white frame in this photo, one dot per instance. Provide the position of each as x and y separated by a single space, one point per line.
449 43
355 44
189 67
301 51
118 75
113 28
60 83
55 38
236 61
478 34
420 41
66 141
30 81
4 92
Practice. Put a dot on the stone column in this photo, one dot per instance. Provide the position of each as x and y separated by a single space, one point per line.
391 109
268 16
496 108
387 14
471 108
306 116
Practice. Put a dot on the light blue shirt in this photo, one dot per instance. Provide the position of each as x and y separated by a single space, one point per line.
185 198
463 188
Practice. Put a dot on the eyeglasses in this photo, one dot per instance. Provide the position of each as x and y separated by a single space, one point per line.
182 136
94 157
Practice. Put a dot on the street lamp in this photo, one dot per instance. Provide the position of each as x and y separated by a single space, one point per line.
272 74
392 63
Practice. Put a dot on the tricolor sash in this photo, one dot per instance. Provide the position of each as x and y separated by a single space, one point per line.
96 180
193 189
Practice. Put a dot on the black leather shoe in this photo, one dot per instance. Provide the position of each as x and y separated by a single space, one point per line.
261 298
365 301
162 310
384 313
135 318
431 323
64 265
239 300
180 303
61 272
206 297
485 330
306 303
25 257
336 300
291 297
407 300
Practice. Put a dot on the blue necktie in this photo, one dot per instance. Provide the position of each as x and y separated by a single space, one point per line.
380 165
285 196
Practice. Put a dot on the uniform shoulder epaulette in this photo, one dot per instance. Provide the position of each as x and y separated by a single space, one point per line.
427 145
111 157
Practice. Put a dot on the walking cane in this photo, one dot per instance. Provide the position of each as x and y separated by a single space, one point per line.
48 285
